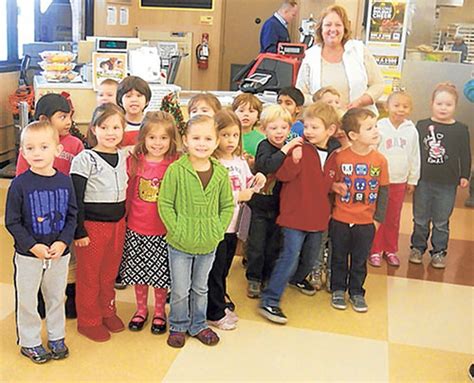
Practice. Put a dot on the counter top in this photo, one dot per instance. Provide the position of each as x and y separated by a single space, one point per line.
40 82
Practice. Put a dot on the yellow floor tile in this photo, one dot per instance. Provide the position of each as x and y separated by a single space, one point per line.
7 300
430 314
315 312
416 364
257 352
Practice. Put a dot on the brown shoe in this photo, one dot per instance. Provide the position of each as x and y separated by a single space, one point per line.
95 333
208 337
114 323
176 339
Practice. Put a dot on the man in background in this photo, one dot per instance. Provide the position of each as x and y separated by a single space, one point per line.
275 29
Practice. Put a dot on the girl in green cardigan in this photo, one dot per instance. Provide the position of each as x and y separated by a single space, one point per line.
196 206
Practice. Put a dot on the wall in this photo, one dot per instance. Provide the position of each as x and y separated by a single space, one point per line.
464 14
171 21
9 83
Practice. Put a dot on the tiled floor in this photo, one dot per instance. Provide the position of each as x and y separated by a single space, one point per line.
419 328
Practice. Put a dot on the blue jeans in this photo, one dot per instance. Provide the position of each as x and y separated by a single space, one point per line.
433 203
294 242
189 274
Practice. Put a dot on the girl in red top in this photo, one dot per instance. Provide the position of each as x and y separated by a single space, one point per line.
145 255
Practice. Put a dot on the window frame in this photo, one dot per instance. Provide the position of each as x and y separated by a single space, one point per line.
13 62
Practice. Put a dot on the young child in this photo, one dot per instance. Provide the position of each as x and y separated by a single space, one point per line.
99 176
54 109
133 96
399 145
145 254
248 109
307 175
292 99
357 213
196 206
107 92
329 95
263 243
203 103
445 164
41 216
244 184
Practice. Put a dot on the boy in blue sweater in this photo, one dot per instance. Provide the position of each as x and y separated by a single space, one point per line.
41 216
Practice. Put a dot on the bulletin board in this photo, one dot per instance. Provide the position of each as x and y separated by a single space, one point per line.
188 5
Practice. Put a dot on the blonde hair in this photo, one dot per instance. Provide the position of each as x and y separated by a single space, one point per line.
342 13
207 98
326 113
102 113
250 99
325 89
445 87
226 118
37 126
272 113
150 122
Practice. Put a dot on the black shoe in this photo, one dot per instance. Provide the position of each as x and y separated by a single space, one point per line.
157 329
273 314
304 287
137 325
471 372
70 305
119 284
41 308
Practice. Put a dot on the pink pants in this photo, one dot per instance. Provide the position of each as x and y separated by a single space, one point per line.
386 238
97 267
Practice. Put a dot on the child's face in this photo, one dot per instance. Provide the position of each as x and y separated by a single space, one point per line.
157 142
229 139
201 140
106 93
201 107
39 148
368 133
247 115
61 121
109 134
399 108
133 102
331 99
316 133
289 104
443 107
277 131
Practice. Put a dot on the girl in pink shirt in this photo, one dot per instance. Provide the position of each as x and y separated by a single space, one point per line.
145 255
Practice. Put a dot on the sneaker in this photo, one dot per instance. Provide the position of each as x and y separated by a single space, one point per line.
358 303
304 287
375 260
392 259
36 354
273 314
208 337
438 260
58 349
338 300
416 256
226 323
315 279
231 314
254 289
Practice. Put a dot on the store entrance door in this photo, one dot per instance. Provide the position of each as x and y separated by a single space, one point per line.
241 42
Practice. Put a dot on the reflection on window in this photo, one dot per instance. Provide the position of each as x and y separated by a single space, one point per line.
55 23
3 31
26 24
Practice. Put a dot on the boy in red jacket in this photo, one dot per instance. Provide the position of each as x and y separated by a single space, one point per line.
307 175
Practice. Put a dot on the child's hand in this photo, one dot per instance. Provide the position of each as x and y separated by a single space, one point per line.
82 242
245 195
411 189
249 158
57 249
464 183
339 188
40 251
297 141
297 154
258 182
377 225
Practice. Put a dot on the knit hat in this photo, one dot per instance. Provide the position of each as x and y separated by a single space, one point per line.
51 103
294 93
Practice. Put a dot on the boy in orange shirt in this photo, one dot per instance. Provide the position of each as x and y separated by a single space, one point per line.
357 215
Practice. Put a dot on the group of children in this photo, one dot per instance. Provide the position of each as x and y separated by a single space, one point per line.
167 211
